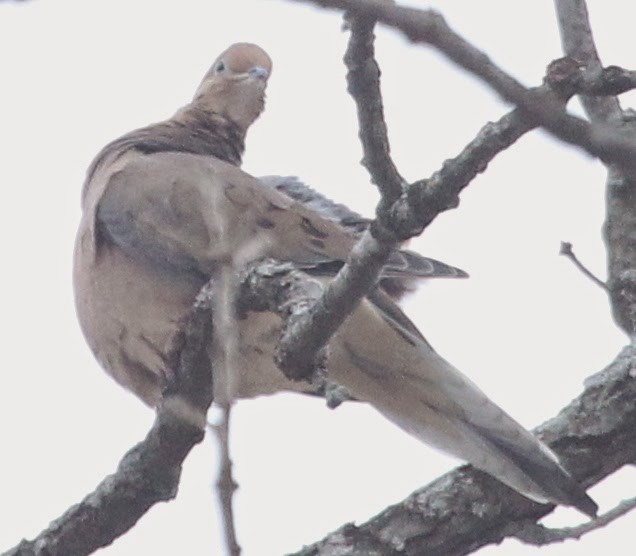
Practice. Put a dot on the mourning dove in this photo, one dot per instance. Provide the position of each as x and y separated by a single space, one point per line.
166 206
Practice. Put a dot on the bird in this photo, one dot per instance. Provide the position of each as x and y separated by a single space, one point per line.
165 207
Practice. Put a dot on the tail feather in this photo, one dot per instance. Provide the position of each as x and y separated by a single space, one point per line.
542 467
384 363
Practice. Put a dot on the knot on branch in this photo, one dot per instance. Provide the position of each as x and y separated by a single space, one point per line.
568 76
386 229
428 197
295 363
281 288
564 76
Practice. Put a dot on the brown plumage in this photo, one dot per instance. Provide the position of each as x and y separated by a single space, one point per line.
165 206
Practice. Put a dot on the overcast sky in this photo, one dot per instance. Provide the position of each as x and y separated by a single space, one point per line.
527 326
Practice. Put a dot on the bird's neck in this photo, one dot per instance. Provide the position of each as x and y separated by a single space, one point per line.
197 130
192 130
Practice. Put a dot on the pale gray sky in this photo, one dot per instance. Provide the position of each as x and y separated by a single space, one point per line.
527 327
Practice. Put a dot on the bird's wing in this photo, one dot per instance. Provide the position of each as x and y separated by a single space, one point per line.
190 212
402 264
379 357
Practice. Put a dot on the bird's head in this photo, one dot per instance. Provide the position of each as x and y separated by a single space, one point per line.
234 86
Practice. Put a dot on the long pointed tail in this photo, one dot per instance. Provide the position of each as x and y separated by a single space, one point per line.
380 359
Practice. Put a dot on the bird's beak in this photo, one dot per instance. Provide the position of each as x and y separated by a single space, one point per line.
258 72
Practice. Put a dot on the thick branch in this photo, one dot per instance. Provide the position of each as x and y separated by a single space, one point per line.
595 435
464 510
149 472
312 315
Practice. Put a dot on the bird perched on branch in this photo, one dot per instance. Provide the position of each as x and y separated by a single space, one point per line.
166 206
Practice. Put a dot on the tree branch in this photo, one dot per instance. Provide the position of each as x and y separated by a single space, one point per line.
225 484
363 84
578 42
150 471
308 333
426 198
566 251
537 534
408 216
620 224
426 26
459 512
466 509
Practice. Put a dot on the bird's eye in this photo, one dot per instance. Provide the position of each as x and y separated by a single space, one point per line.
220 67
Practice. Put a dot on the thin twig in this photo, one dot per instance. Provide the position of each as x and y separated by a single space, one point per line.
566 251
537 534
226 366
226 349
225 484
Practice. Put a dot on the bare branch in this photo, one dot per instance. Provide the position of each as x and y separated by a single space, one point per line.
408 216
620 223
280 288
225 485
603 84
226 362
431 518
149 472
427 26
309 332
578 43
540 535
466 509
566 251
363 80
427 198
